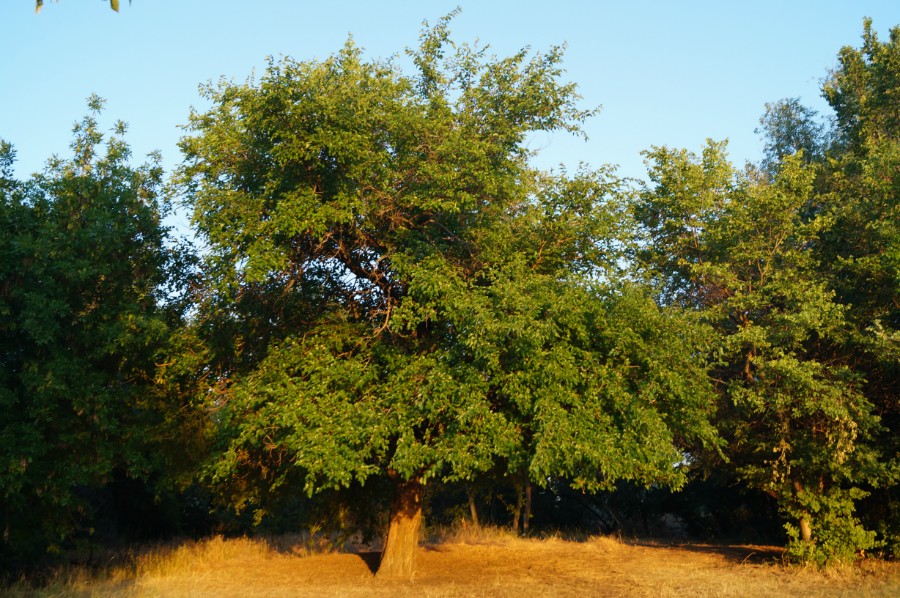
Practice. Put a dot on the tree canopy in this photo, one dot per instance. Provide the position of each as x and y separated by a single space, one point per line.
390 296
409 298
83 322
795 268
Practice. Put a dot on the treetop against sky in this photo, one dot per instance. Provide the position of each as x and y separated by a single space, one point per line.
665 73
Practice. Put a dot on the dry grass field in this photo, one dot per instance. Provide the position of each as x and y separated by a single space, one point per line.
487 563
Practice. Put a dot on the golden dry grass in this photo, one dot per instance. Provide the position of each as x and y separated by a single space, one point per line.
470 563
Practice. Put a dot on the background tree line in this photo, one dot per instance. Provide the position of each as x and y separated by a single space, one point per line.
394 313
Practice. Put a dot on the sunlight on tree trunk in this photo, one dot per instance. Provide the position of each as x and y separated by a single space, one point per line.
473 510
400 547
805 522
805 529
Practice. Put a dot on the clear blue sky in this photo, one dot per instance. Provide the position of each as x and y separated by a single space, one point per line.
666 72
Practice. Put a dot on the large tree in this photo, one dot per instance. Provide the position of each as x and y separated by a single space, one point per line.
393 291
740 249
861 251
796 267
85 266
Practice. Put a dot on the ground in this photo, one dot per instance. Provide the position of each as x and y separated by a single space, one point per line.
498 565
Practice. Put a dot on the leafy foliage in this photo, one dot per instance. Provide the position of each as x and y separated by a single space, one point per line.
737 248
113 4
393 296
861 252
796 270
409 298
85 267
790 127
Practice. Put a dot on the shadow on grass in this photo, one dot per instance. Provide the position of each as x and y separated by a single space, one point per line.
61 584
371 559
733 553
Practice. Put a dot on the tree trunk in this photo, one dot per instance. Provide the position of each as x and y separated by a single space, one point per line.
399 556
805 523
472 510
526 517
805 529
520 501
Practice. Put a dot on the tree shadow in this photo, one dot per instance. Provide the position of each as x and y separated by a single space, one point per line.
371 559
733 553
